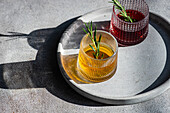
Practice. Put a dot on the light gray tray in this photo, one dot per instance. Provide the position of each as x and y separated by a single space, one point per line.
143 70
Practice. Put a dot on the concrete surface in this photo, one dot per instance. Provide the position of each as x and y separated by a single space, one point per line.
29 77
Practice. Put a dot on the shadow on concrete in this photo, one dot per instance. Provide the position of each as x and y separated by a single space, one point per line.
44 72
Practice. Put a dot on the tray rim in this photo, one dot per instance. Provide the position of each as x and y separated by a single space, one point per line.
118 100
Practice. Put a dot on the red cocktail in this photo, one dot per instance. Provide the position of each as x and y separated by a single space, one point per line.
128 33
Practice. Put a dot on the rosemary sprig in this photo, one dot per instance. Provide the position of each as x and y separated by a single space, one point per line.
93 39
123 13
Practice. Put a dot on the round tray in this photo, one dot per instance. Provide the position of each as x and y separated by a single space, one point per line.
143 70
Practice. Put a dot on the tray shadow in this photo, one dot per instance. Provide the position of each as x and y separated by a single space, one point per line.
43 72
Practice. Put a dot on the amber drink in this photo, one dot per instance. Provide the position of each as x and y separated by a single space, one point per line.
103 68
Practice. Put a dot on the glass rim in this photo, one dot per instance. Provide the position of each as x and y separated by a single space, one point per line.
133 22
102 31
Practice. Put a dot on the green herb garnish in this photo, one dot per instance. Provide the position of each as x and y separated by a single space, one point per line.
92 36
123 13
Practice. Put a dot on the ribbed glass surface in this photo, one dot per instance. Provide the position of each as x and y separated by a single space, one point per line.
128 33
97 70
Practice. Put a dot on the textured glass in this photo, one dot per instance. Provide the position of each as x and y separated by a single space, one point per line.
98 70
128 33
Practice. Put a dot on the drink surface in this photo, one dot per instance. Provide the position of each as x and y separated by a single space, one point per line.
135 15
107 51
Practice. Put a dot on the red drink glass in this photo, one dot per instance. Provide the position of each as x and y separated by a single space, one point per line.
128 33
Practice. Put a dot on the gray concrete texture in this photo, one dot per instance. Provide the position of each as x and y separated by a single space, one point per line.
29 77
